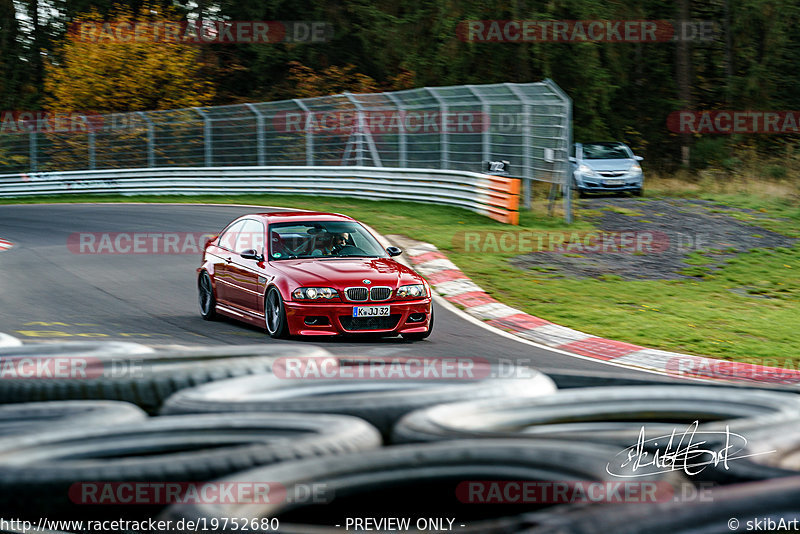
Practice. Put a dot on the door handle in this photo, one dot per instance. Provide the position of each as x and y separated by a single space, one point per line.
228 259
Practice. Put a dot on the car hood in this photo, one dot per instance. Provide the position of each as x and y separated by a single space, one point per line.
609 164
347 272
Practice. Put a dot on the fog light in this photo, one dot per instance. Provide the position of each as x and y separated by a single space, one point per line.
416 318
314 320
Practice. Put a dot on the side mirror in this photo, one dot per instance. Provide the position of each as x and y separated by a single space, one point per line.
251 254
638 158
394 251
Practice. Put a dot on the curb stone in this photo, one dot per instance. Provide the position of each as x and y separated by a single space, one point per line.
456 287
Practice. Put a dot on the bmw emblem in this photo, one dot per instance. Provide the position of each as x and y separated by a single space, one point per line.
367 281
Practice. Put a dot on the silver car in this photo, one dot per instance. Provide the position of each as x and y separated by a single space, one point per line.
605 167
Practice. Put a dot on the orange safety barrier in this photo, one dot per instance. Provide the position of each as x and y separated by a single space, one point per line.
504 199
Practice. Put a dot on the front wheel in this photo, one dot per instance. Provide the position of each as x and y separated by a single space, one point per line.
274 314
419 336
208 302
637 192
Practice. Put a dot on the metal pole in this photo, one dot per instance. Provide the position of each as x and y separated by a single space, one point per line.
566 137
260 141
208 154
360 139
486 134
364 134
309 132
527 163
91 141
32 148
444 138
151 140
401 139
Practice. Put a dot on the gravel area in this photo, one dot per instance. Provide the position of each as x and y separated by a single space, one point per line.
666 231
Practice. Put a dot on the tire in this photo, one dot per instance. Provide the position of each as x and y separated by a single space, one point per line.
419 336
41 473
578 191
148 378
412 481
612 415
380 401
26 418
775 454
208 302
638 192
275 314
774 499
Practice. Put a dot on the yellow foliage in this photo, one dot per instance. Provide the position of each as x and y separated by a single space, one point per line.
137 75
332 80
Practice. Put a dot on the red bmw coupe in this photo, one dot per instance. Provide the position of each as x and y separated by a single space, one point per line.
310 273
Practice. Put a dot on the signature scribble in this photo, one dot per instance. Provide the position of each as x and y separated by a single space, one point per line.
689 451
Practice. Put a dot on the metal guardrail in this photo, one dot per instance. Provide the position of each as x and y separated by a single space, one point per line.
526 125
493 196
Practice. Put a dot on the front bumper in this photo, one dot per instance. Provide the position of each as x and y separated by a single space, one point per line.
602 184
336 318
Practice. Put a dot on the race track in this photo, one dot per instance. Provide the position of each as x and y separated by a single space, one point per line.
50 292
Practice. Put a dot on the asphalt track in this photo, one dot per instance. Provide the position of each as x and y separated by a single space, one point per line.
51 293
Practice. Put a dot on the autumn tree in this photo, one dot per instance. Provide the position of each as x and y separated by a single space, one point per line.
102 73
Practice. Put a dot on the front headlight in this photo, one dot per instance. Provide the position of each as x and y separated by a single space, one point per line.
411 291
311 293
635 169
585 169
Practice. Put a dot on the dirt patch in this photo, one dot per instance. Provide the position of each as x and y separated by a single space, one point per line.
684 228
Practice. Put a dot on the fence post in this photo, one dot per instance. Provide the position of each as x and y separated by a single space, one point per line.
32 148
208 154
151 140
444 138
486 134
364 135
566 182
261 152
309 132
527 163
401 140
91 142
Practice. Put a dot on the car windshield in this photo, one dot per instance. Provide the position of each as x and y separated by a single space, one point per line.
606 151
322 239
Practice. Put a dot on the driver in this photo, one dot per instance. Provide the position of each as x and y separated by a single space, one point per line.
339 241
332 244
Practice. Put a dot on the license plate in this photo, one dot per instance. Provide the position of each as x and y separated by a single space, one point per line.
614 182
371 311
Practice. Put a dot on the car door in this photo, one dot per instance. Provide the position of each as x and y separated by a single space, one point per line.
247 275
221 256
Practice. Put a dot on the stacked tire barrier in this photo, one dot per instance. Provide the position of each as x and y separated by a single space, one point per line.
128 432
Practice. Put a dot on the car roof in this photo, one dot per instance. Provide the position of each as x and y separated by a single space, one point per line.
305 215
603 143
